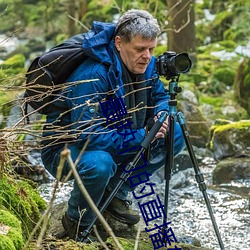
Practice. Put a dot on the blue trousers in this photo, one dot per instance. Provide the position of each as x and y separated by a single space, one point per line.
99 170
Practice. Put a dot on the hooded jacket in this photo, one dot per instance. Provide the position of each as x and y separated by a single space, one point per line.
77 116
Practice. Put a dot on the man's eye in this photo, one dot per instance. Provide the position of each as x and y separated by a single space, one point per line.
139 50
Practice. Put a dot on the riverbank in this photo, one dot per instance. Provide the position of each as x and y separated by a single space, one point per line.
187 210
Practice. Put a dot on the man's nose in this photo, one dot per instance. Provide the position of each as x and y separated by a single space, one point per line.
146 54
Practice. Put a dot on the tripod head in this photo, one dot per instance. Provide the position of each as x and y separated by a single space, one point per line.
174 89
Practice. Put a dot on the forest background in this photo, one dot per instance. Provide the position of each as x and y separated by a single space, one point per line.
214 33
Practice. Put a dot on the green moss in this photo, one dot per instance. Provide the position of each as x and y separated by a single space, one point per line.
13 239
22 200
212 100
239 128
16 61
235 125
228 45
225 75
6 243
9 219
242 84
16 237
128 244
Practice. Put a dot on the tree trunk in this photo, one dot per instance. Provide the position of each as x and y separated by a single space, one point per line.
83 7
181 27
72 13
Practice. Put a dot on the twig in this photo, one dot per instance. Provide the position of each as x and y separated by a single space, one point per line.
66 154
77 21
45 217
137 236
99 238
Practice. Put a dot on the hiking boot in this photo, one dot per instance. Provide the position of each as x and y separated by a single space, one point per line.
75 231
121 211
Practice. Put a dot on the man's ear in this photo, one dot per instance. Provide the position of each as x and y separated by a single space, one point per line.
118 42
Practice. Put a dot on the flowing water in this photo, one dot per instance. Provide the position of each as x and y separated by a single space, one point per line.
187 210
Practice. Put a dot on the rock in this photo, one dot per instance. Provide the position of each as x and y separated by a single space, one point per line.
232 139
181 179
231 169
126 235
197 125
188 95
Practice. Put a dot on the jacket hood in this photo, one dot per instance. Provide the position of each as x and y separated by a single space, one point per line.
98 43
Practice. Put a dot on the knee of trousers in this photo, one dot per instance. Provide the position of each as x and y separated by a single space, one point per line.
98 165
179 142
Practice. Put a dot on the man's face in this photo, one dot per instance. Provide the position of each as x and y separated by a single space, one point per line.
137 53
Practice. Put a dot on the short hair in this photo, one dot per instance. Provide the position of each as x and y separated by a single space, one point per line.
137 22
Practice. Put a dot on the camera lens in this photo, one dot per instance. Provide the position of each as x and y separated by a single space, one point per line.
182 63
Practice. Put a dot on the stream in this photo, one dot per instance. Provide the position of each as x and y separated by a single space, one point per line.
187 210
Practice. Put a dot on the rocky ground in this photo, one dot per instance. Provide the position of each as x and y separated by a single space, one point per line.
127 236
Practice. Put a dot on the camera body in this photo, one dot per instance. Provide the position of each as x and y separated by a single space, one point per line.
171 65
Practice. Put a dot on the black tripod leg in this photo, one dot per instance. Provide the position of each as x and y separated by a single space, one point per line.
169 162
144 145
199 176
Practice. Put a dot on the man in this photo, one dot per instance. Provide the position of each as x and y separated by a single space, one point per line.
121 66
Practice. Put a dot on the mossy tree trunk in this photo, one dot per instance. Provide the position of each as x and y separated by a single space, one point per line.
242 85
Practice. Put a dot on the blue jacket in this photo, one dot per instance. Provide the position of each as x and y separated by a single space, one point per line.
85 119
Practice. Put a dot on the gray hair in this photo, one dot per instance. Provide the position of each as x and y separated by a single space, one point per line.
137 22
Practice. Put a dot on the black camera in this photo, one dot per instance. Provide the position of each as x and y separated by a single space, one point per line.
171 65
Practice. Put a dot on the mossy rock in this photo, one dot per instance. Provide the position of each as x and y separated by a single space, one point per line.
11 237
231 139
219 107
21 199
231 169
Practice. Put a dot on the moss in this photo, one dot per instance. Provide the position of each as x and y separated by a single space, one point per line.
9 219
212 100
235 125
13 239
16 237
220 132
22 200
242 84
225 75
6 243
16 61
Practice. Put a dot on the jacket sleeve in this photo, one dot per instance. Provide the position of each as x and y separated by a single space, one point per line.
88 122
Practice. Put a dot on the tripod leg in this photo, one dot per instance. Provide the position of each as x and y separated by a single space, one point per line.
199 176
169 162
144 145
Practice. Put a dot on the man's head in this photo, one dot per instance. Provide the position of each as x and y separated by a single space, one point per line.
136 38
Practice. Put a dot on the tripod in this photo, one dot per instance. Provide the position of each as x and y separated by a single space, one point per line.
173 90
169 163
125 175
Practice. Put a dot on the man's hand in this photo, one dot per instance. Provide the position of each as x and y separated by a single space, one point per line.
164 128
